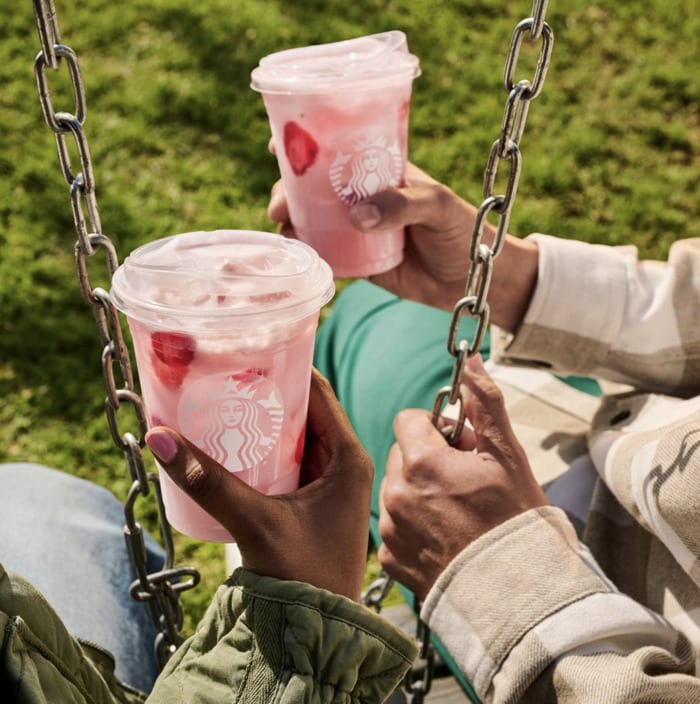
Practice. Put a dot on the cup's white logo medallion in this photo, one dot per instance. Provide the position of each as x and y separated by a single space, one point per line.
235 418
372 166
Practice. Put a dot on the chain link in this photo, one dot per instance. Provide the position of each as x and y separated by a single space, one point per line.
375 594
160 590
505 148
474 302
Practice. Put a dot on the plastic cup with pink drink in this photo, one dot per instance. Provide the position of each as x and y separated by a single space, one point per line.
223 326
339 119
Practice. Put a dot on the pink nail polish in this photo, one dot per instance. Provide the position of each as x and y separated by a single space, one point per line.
162 445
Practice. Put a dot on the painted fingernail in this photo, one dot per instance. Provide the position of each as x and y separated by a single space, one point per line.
162 445
366 214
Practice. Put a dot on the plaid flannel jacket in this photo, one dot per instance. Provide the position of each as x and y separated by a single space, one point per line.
597 598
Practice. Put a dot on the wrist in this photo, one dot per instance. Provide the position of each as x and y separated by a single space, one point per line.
513 282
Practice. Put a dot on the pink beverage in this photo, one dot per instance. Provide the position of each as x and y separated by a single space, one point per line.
339 119
223 325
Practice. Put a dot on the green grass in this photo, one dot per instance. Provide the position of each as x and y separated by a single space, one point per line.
178 141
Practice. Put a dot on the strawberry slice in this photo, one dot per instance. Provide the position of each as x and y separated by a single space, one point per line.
173 347
172 354
249 375
171 375
300 147
155 420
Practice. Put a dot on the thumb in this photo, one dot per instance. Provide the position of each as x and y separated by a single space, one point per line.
418 202
399 207
222 495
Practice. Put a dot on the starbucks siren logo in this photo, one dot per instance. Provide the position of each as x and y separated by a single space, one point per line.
372 166
234 418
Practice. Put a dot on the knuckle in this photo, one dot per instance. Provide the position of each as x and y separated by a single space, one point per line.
419 462
393 203
489 393
320 381
449 205
403 416
392 496
419 457
493 394
393 565
200 482
444 196
385 557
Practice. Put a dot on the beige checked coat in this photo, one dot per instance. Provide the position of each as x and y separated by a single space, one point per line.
596 599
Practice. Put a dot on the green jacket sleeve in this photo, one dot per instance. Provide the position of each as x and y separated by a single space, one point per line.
264 641
41 662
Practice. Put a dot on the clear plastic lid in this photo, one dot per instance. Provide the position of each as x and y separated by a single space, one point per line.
222 278
382 58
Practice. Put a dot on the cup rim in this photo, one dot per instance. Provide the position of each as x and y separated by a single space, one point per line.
313 285
290 71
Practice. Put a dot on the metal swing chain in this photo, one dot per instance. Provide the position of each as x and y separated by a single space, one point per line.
473 303
160 590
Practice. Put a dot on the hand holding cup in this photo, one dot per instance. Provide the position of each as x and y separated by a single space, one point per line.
438 225
317 534
223 325
339 119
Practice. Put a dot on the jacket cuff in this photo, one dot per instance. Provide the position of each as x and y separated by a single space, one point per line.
580 287
331 636
261 635
521 596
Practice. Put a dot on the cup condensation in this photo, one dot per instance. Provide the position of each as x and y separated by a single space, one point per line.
338 114
223 325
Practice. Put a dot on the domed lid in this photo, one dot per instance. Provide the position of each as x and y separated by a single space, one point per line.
222 278
364 62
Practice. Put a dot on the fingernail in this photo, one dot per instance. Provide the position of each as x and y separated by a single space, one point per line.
366 214
162 445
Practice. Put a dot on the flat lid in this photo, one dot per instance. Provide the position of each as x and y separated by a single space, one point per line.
222 277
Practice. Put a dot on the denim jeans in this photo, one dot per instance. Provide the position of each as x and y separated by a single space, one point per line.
65 535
